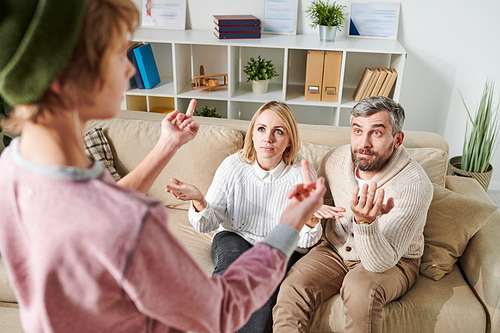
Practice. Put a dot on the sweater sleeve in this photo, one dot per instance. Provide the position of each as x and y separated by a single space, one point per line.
167 285
308 237
217 201
381 244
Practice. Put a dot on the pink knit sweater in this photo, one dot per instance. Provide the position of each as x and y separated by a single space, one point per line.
86 255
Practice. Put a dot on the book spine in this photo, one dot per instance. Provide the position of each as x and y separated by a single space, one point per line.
250 34
142 68
237 22
137 75
231 28
147 66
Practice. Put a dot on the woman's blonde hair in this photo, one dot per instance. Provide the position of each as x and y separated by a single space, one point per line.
85 72
286 116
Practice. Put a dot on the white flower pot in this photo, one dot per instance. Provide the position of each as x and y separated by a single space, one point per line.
260 87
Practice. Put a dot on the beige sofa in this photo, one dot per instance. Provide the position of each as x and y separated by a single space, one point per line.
467 299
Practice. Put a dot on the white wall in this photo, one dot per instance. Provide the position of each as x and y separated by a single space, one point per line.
452 46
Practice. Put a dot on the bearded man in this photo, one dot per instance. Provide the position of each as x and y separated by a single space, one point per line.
371 255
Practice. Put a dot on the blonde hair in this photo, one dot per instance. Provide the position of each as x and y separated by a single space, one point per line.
286 116
85 72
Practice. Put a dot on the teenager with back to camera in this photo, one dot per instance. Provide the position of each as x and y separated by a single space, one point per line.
83 253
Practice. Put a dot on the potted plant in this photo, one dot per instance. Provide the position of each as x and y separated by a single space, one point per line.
480 140
207 112
329 18
260 71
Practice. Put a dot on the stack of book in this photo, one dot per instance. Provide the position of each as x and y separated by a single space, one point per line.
375 82
236 26
146 71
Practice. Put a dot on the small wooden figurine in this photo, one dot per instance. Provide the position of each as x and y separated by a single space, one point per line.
203 81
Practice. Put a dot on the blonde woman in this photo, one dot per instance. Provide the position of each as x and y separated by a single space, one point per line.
248 195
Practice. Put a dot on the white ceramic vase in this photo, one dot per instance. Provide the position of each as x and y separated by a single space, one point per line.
260 87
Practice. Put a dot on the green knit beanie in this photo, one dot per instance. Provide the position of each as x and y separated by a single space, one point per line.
37 39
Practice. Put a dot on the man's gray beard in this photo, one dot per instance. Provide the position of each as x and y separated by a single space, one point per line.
365 165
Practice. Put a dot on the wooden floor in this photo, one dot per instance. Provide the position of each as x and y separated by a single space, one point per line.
495 196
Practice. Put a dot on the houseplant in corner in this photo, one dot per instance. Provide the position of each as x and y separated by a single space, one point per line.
260 71
329 18
480 141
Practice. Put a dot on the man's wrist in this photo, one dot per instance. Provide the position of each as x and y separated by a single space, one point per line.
365 222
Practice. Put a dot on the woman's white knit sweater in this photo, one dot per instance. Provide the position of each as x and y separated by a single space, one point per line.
397 234
239 201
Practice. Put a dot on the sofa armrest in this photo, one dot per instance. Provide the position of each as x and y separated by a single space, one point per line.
480 261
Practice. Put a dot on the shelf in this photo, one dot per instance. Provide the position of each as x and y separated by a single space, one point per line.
179 55
243 93
164 88
303 41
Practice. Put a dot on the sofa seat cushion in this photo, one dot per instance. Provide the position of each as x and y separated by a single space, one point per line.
196 243
447 305
194 163
6 292
10 320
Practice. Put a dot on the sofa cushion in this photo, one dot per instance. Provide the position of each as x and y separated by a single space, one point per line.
448 305
198 244
452 220
194 163
433 160
9 320
97 146
314 153
6 292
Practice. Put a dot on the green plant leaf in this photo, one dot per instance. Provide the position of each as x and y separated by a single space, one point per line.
260 69
481 132
322 13
207 112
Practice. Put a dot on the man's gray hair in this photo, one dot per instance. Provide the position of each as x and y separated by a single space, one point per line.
370 105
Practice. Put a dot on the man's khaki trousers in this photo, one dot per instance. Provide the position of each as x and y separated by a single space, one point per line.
323 273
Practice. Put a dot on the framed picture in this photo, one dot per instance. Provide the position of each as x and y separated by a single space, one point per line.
280 17
166 14
373 20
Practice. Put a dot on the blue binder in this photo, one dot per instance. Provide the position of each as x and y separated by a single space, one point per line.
147 65
137 77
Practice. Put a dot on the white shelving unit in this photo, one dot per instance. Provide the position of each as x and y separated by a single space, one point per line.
179 54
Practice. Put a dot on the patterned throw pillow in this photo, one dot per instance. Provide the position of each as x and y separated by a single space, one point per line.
98 148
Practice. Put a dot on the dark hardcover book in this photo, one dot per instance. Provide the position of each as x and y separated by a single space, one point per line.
147 65
238 34
136 81
236 20
233 28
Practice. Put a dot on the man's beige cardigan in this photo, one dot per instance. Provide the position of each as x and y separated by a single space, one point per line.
397 234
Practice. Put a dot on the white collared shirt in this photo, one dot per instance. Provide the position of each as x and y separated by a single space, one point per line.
272 175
